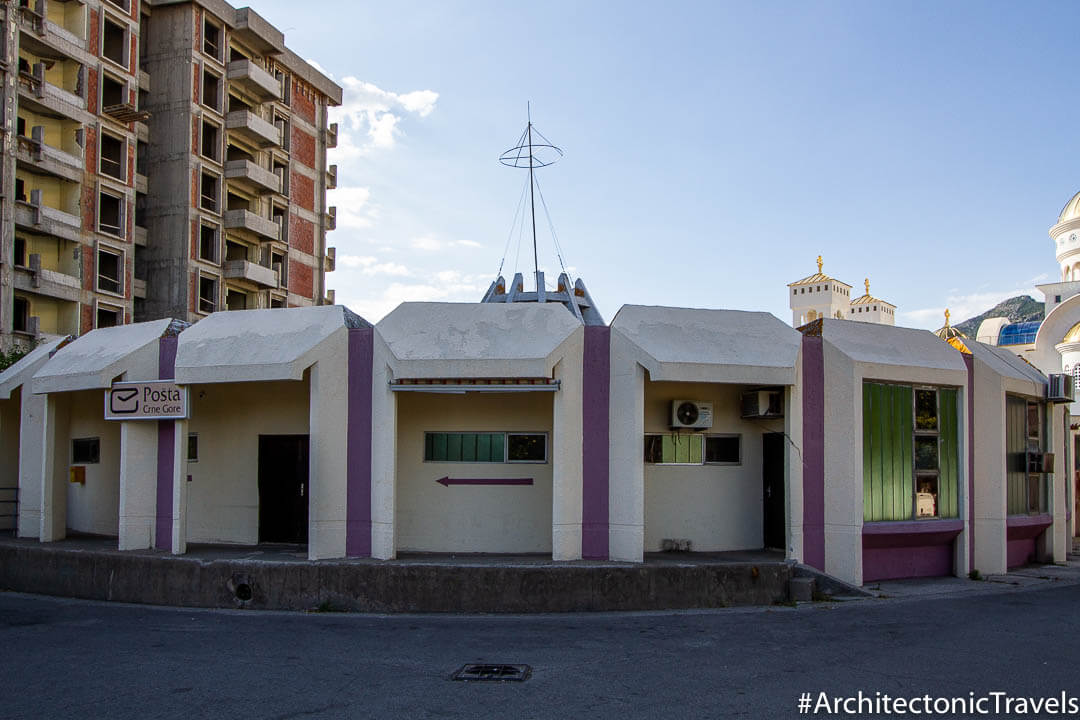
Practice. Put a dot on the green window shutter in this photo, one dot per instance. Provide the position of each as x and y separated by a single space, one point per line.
497 442
887 452
695 448
429 447
483 447
468 447
438 452
948 471
453 447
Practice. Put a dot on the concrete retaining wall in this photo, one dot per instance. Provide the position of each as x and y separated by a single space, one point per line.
373 586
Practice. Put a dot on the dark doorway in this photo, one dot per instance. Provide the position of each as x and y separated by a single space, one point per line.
283 488
772 478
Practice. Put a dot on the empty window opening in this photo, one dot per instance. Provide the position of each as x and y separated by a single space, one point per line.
209 191
208 243
211 141
281 169
279 262
20 190
277 302
20 127
110 269
144 40
235 300
112 156
109 317
236 152
283 127
238 202
86 451
193 447
20 252
235 55
211 90
211 39
235 251
140 209
22 315
141 151
110 214
208 294
236 104
113 92
114 42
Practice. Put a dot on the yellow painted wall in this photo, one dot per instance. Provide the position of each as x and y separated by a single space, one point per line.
59 134
56 254
55 317
465 518
716 507
223 495
69 15
94 507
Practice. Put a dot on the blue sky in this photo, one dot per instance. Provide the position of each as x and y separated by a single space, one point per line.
713 150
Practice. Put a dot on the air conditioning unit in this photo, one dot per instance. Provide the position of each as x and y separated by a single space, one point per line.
1060 388
691 414
763 404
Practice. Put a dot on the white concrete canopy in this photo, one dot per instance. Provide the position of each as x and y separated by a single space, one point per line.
1017 374
476 340
721 346
873 344
102 355
21 372
258 345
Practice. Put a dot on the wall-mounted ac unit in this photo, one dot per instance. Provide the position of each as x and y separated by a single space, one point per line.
1060 388
763 404
691 414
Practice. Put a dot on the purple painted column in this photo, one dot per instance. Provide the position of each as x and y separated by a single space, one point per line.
813 452
358 468
166 451
969 361
596 395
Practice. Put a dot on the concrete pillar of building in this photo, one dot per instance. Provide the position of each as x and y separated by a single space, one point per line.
31 457
626 477
328 418
54 467
596 443
793 464
1055 544
358 515
991 485
842 469
138 484
383 454
566 458
178 530
961 546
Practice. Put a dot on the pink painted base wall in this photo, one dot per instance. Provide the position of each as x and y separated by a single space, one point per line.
907 562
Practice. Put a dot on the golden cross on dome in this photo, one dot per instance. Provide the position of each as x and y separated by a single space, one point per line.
946 317
867 282
819 263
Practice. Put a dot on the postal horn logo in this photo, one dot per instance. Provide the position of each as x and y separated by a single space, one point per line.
124 401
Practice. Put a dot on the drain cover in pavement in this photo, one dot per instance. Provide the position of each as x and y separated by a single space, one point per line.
497 673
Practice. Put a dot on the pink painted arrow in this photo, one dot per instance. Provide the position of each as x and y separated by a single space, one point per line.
447 482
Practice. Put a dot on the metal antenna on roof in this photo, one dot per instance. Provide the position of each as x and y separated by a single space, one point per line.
532 154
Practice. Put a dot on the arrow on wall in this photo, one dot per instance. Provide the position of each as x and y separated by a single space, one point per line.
447 482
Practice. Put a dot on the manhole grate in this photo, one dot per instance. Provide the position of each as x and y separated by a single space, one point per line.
496 673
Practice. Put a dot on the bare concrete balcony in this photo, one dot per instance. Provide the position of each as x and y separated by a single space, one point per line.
46 220
331 259
49 283
253 128
39 158
331 177
44 98
331 218
247 222
250 272
138 288
45 38
138 236
251 176
331 136
144 80
252 78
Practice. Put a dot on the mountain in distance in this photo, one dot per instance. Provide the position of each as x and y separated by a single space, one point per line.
1022 308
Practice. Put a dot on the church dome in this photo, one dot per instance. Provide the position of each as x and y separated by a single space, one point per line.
1071 211
1073 335
948 332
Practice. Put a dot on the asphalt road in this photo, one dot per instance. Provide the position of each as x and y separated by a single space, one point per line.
74 659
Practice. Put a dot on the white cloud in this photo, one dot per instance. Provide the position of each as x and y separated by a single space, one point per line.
370 117
354 208
430 243
370 266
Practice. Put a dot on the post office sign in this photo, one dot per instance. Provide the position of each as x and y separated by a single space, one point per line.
162 400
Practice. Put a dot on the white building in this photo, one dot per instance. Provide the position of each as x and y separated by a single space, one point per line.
820 296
